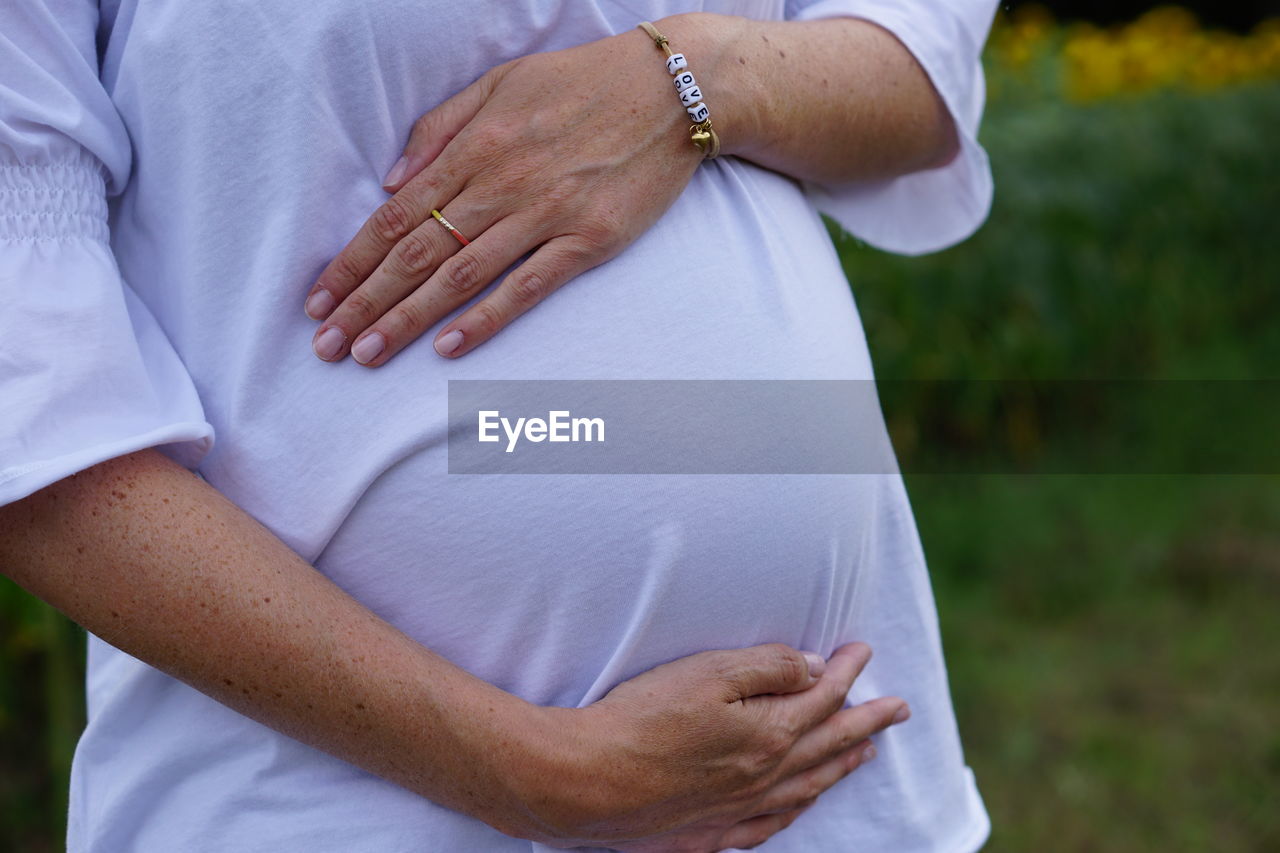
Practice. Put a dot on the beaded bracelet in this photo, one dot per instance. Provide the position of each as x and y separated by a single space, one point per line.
701 132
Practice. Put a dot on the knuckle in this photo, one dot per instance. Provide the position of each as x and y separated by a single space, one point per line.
428 184
413 256
600 231
752 776
392 220
490 195
720 674
496 73
425 122
792 666
607 226
878 724
529 287
833 698
561 196
461 274
408 318
580 252
758 787
488 320
488 138
344 272
361 309
857 728
775 743
718 663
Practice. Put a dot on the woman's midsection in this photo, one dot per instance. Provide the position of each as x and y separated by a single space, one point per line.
555 587
558 587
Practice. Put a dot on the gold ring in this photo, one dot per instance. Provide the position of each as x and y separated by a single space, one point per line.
454 231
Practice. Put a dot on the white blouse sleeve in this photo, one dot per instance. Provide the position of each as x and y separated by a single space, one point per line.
86 373
934 209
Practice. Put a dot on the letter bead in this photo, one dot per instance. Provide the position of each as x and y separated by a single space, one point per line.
701 134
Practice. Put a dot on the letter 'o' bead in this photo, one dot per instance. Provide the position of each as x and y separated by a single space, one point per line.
691 96
699 112
684 81
676 62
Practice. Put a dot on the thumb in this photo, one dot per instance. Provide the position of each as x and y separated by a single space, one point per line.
771 668
436 128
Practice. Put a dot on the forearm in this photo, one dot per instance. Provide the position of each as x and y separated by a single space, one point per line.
159 564
831 100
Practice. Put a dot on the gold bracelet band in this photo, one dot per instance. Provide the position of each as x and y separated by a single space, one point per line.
701 133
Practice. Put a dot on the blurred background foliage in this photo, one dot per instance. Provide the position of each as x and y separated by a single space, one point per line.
1113 641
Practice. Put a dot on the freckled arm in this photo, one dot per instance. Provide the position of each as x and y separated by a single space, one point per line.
838 99
158 563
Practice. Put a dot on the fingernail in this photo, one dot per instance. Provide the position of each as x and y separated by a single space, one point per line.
368 348
817 664
868 754
396 173
319 304
329 343
449 343
904 713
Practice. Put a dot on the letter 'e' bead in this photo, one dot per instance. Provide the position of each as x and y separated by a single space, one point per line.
691 96
676 62
699 112
684 81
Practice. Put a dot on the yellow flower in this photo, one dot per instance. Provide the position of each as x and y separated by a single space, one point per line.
1163 49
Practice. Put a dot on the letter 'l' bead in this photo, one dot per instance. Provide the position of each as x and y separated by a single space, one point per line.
683 81
676 62
699 112
691 96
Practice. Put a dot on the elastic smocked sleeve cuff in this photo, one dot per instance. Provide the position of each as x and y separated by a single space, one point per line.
86 373
934 209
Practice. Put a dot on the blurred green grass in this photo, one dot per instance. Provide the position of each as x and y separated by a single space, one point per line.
1112 647
1113 641
41 715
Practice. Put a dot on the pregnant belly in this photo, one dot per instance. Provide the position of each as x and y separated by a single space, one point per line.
558 587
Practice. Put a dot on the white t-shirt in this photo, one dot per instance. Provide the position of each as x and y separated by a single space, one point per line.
235 147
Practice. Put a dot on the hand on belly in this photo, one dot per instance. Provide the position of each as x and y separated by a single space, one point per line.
716 750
